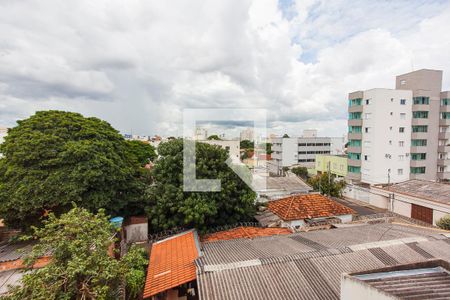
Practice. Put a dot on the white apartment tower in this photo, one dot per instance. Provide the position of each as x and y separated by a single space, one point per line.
401 134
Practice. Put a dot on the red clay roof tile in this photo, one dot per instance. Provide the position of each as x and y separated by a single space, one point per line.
244 232
299 207
171 263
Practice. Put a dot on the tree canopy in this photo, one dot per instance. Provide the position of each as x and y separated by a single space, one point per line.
214 137
143 152
300 172
170 206
55 158
80 266
327 184
246 144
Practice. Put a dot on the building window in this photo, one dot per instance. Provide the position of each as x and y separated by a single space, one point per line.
367 101
354 129
355 156
402 82
367 130
353 169
401 129
354 143
399 171
418 156
354 102
443 129
442 169
445 102
418 143
402 101
391 113
366 157
417 170
401 143
402 116
368 115
442 142
354 116
445 115
401 157
421 100
390 142
420 114
420 128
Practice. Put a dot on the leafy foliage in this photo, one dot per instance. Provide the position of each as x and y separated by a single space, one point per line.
214 137
141 152
444 222
170 206
327 185
80 266
56 157
285 135
300 172
246 144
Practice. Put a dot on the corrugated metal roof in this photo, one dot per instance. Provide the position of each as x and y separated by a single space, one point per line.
307 265
14 251
7 278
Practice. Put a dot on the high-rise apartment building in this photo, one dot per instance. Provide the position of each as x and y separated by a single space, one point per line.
395 135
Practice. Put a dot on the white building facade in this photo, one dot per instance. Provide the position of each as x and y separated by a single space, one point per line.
379 136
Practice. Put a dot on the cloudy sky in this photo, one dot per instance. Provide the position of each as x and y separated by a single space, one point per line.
138 64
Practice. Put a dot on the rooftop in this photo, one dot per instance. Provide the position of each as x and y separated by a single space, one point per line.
427 280
309 265
433 191
244 233
279 186
171 263
307 206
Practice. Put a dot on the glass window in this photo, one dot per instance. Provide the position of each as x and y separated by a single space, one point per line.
418 156
402 101
400 171
353 169
445 102
445 115
401 143
420 114
421 100
356 156
354 116
420 128
417 170
401 129
354 102
402 116
418 143
354 129
354 143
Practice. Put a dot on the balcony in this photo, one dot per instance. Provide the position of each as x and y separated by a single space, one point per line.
353 176
418 149
355 108
420 107
443 148
444 108
419 121
444 122
419 135
443 162
354 162
443 175
444 135
353 149
355 122
354 136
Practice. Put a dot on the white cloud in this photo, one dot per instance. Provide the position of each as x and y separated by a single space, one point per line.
137 64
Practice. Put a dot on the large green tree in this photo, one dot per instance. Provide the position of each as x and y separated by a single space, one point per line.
142 152
54 158
327 184
80 265
171 206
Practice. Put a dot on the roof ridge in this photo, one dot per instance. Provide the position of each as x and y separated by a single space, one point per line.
246 233
289 209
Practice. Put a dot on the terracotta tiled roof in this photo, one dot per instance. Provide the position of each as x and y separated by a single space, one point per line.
307 206
244 232
171 263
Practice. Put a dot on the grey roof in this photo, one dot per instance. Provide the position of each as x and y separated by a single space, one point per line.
279 186
426 280
309 265
7 278
439 192
13 251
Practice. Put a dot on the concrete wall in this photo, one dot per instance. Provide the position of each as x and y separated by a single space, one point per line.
136 232
338 164
352 289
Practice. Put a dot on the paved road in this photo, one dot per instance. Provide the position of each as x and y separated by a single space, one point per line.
359 207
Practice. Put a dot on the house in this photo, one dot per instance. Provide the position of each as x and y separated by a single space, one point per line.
298 210
242 232
418 199
269 188
171 272
309 265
